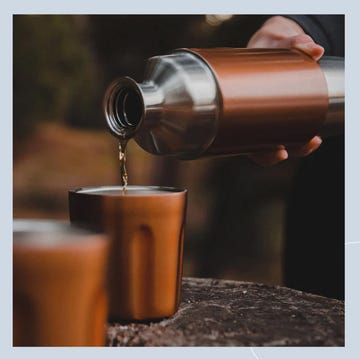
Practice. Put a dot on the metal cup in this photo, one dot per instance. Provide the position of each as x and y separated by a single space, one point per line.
146 226
59 285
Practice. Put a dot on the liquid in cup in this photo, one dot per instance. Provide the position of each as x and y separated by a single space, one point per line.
146 226
59 285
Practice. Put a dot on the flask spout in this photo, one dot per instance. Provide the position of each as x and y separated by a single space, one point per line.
174 111
128 103
123 107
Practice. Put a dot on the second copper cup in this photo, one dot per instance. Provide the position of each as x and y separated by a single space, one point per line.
59 285
146 226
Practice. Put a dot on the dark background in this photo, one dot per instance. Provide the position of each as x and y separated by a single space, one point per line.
62 66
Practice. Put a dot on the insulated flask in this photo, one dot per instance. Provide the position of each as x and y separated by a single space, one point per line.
228 101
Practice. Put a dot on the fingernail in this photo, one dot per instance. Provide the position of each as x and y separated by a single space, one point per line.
306 46
318 140
312 49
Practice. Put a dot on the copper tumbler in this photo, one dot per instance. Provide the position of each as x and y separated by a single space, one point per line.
146 225
59 285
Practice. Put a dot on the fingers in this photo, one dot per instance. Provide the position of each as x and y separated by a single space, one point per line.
281 32
271 158
273 31
306 149
305 44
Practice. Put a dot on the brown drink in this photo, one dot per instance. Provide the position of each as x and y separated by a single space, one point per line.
122 159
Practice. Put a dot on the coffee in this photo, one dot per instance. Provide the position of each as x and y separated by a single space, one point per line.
130 190
122 159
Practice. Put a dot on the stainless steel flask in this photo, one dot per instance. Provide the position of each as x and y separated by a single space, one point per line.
226 101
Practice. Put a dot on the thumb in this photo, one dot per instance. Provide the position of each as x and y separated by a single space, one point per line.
305 44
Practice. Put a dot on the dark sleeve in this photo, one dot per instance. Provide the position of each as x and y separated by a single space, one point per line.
326 30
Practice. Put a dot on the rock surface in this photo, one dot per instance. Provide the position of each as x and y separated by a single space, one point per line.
231 313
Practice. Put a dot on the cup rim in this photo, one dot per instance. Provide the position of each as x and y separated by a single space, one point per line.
154 190
49 233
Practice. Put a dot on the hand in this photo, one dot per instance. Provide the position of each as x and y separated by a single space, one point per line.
281 32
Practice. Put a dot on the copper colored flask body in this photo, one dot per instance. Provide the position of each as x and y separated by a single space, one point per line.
224 101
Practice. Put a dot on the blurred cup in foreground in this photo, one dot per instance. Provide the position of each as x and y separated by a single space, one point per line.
146 226
59 284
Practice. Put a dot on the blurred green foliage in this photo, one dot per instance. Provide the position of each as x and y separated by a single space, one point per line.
54 73
63 63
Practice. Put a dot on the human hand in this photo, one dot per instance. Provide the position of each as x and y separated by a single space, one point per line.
281 32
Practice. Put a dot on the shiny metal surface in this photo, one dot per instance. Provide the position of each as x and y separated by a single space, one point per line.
146 253
333 69
226 101
130 190
48 232
270 97
59 284
177 106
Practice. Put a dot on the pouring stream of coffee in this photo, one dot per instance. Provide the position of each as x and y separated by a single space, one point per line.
122 159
